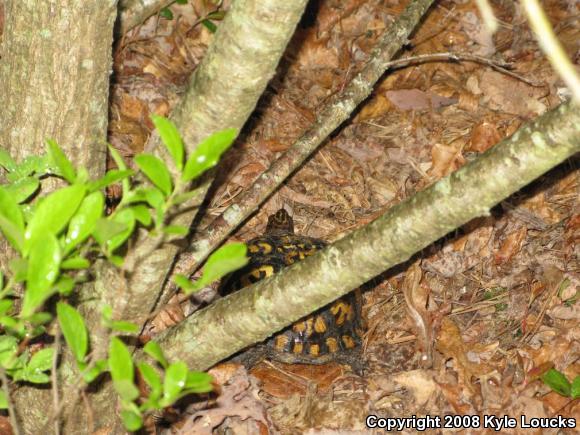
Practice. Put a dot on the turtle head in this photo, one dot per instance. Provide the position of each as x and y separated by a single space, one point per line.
280 223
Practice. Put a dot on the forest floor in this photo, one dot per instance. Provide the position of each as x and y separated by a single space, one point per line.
501 294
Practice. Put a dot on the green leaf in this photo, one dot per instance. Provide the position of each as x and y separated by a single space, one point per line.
74 330
106 313
19 269
176 230
174 382
54 213
131 420
125 217
40 318
153 349
75 263
35 377
111 177
11 219
142 214
557 382
43 269
84 221
152 378
209 26
12 233
8 349
126 389
155 198
65 285
171 138
208 153
23 188
575 389
106 229
123 326
13 324
184 283
181 2
223 261
3 398
6 161
32 164
122 167
41 361
183 197
122 370
5 306
166 13
91 374
199 382
156 171
61 161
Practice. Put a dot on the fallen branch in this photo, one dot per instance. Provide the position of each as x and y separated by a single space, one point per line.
331 117
254 313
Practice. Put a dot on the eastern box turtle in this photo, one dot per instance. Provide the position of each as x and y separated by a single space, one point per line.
332 333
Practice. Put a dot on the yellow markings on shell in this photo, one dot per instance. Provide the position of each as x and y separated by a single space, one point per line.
289 259
348 341
298 347
314 350
299 327
319 325
260 247
342 311
332 344
281 342
263 271
257 274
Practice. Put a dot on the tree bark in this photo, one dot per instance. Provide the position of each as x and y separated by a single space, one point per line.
254 313
56 60
54 73
223 92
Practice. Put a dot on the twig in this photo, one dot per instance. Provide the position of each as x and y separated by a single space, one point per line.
11 412
551 46
502 67
330 117
54 378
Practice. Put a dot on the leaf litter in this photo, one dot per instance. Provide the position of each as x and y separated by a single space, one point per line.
497 300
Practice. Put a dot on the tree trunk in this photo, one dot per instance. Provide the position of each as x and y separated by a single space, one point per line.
54 73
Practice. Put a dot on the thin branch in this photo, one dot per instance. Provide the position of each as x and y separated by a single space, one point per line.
551 46
54 378
331 117
6 388
254 313
135 12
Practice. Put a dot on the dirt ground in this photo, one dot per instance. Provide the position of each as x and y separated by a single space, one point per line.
499 298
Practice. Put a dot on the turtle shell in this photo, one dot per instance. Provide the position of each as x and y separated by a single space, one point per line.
319 337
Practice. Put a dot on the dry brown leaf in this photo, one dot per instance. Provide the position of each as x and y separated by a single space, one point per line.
483 136
285 380
509 95
416 99
451 345
511 245
238 398
420 383
446 159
